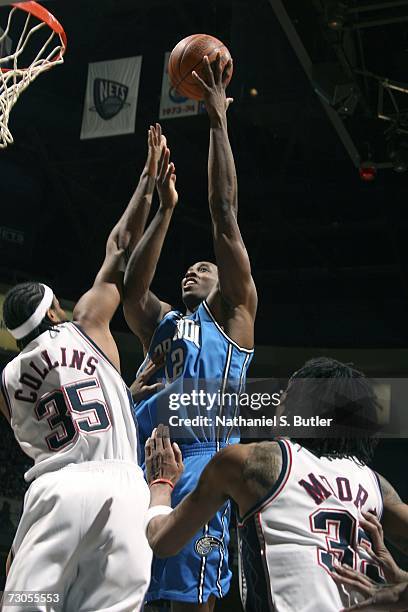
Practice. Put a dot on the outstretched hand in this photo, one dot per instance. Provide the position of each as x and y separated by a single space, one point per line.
140 389
166 181
379 552
156 142
213 84
163 459
392 598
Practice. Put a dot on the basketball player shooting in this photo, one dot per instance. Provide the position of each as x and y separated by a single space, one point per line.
213 341
80 543
302 507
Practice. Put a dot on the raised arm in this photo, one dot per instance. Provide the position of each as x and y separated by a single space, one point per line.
235 301
395 517
96 308
132 224
143 310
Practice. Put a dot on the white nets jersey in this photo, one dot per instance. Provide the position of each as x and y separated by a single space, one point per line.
68 403
310 519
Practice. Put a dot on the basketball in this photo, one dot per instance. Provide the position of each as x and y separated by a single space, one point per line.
187 56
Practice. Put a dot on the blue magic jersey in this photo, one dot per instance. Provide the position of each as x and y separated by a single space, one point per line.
204 373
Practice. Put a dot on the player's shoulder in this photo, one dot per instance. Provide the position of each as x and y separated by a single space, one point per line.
230 456
170 315
263 462
263 453
256 453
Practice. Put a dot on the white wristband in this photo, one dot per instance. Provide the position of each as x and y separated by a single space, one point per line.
155 511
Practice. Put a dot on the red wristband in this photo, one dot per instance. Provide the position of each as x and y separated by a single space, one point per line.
161 481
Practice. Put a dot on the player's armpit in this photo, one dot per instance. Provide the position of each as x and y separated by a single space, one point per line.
395 517
167 535
144 316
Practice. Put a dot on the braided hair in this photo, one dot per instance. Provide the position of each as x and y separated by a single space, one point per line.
19 304
327 387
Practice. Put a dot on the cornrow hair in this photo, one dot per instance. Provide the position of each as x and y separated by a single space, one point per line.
19 304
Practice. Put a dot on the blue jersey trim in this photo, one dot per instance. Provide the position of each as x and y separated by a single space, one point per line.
210 314
224 385
200 585
241 384
219 576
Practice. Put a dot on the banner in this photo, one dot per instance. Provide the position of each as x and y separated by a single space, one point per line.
111 98
172 104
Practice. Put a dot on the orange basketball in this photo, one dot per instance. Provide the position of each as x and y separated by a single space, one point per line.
187 56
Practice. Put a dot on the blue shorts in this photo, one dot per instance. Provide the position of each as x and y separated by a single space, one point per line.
201 567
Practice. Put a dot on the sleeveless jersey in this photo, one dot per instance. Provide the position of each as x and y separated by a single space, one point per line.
310 518
68 403
200 358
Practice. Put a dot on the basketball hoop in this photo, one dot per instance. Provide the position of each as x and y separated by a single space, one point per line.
14 79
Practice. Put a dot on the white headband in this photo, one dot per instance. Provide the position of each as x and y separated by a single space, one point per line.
33 322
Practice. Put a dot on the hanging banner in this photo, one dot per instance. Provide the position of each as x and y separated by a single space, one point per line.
172 104
111 98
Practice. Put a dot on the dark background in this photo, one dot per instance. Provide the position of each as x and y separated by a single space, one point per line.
329 251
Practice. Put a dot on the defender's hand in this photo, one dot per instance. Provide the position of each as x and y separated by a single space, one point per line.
394 597
391 597
156 142
163 459
379 552
140 389
166 181
213 85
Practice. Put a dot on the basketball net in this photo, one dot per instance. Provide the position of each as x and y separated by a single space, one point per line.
14 79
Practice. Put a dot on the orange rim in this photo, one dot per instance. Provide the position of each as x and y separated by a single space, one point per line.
44 15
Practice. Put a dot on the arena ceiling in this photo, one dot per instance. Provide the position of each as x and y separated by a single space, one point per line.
329 251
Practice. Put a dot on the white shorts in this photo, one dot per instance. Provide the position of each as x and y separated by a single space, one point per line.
81 536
